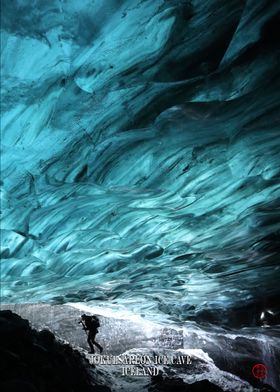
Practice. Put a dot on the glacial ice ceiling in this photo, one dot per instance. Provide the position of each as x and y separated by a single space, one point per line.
140 154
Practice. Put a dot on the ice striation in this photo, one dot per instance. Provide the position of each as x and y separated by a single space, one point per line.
140 156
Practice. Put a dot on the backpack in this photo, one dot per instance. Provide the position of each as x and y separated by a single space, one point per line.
95 322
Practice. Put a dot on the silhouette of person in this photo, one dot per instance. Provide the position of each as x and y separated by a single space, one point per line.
90 325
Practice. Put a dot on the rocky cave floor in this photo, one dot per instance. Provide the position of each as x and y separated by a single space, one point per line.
49 353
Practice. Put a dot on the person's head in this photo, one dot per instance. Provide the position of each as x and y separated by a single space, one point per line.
83 316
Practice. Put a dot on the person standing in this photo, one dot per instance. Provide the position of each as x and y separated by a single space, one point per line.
91 325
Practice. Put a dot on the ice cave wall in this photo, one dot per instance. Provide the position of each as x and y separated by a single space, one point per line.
140 154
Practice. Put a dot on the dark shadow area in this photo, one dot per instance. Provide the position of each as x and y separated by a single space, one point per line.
35 361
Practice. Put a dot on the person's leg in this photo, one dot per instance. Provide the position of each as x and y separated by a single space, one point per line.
100 348
89 340
98 345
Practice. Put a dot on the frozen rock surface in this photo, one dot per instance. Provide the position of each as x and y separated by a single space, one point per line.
223 358
35 361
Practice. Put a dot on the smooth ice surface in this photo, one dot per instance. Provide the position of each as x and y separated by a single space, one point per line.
140 155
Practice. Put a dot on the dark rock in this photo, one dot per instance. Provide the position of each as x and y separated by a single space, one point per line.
12 327
46 338
18 385
165 384
35 361
267 388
